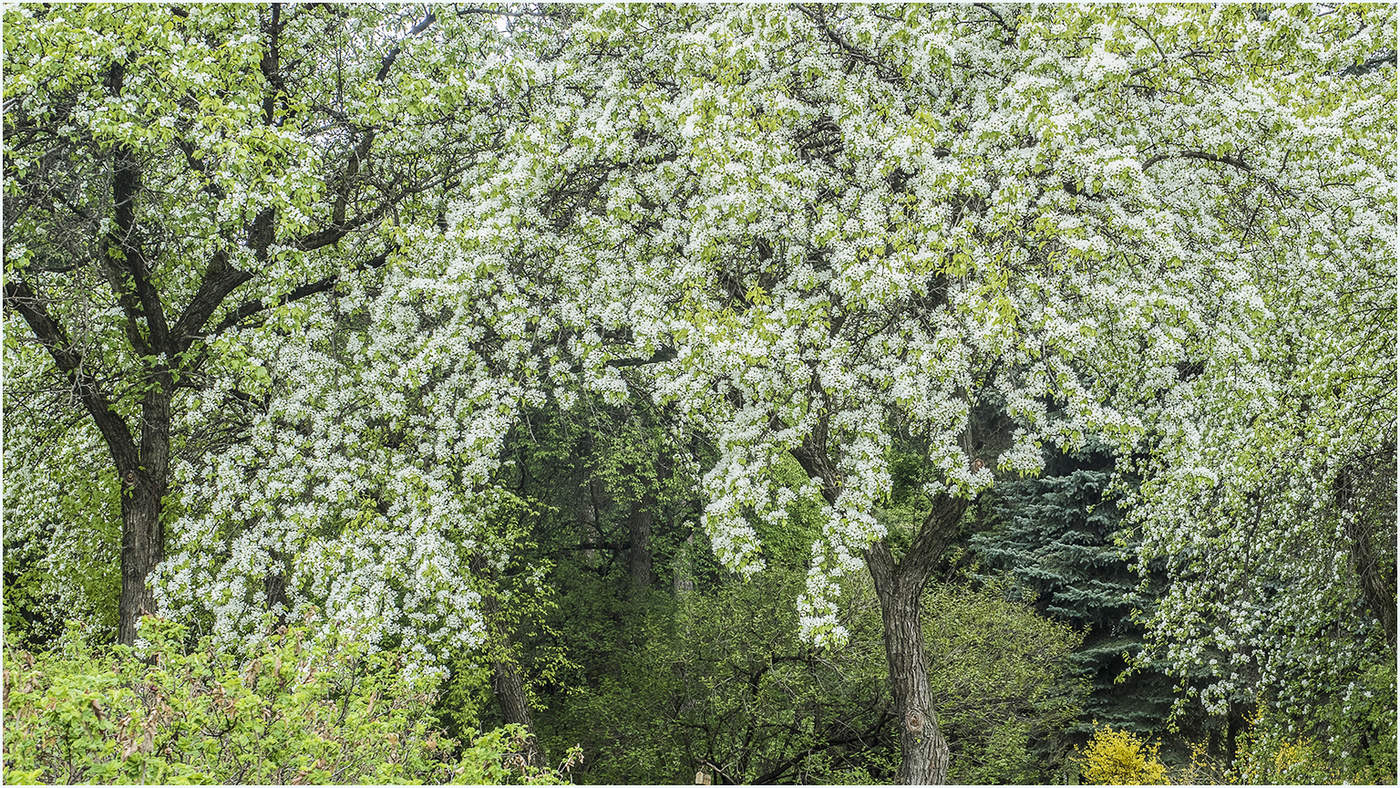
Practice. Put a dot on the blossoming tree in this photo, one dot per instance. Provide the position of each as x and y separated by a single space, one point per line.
832 233
1269 493
966 231
173 174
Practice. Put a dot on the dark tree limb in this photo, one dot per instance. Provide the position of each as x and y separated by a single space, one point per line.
387 62
32 307
659 356
124 242
220 279
1371 64
1237 163
250 308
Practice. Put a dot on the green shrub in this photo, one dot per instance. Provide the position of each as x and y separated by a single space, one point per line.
295 711
1266 754
1350 739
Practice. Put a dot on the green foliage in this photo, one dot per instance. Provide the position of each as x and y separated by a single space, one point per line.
1269 755
719 681
1116 757
1007 681
62 538
1351 739
1362 724
295 711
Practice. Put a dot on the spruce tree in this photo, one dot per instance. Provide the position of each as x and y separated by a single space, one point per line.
1058 539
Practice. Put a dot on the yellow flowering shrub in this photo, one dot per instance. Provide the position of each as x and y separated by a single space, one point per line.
1116 757
1268 755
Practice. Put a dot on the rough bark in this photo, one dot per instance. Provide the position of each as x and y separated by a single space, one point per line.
1377 577
639 550
590 506
143 488
923 749
506 682
1365 495
142 549
683 567
899 586
515 707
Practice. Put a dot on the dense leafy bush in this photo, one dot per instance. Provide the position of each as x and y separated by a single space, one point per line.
294 711
1008 684
720 681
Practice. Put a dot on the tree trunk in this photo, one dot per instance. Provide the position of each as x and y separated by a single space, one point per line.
143 488
589 515
1365 498
899 585
923 750
515 707
275 587
506 683
142 548
683 567
639 551
1376 577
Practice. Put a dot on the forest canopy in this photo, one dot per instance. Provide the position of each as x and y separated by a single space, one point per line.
795 393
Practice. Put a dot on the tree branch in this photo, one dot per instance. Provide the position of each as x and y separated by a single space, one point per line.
661 355
1200 155
249 308
387 62
938 530
220 279
126 183
31 306
1371 64
811 455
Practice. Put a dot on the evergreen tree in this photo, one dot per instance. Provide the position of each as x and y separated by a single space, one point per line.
1058 537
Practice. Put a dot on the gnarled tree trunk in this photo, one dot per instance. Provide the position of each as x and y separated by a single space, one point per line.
899 585
923 750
